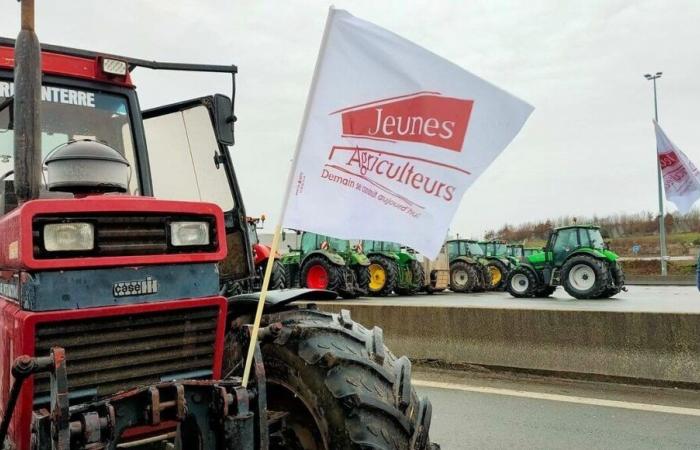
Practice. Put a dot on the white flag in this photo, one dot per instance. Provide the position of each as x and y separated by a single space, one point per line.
681 177
392 138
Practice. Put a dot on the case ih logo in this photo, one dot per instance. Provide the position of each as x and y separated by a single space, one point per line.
424 117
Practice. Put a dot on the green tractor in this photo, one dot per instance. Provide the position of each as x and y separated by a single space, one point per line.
323 262
468 271
393 268
498 262
575 257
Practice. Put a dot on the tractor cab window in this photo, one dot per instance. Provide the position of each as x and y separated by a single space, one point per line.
474 249
69 114
339 245
596 239
308 242
184 158
500 249
392 247
583 238
566 241
517 252
452 249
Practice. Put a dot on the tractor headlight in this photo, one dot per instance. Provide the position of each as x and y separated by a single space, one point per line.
69 237
183 234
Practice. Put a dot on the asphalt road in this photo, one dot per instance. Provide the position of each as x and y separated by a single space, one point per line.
546 414
638 298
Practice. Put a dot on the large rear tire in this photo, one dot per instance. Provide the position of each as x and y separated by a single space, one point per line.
463 277
417 279
498 274
585 277
343 389
522 282
363 277
319 273
383 272
278 278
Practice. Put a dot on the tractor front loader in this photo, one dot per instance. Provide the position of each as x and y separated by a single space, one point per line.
576 258
121 232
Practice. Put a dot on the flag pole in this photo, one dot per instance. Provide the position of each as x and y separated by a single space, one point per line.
278 228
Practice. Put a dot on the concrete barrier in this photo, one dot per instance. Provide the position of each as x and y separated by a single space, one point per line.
635 345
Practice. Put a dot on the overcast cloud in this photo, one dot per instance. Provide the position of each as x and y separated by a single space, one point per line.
588 148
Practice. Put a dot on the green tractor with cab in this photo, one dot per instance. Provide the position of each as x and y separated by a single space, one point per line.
529 251
575 257
392 269
499 262
468 270
323 262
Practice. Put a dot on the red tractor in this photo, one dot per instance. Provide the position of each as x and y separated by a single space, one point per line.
121 231
279 278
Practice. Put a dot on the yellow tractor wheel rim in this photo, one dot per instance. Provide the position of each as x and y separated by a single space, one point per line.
496 275
377 277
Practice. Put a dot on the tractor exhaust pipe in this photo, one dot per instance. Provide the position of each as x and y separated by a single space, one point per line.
27 103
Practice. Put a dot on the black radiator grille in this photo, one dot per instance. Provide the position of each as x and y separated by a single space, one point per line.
125 235
106 355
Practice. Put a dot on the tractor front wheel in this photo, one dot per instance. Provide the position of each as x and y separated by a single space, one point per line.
382 276
522 283
319 273
585 277
340 386
417 279
363 278
618 277
463 277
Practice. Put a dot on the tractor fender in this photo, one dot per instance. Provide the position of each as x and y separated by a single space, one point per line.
334 258
599 254
464 259
360 259
261 252
277 299
384 254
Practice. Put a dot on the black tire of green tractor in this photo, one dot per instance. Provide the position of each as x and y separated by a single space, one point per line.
600 270
462 269
522 282
278 277
417 277
618 277
479 284
545 291
362 275
335 277
501 285
391 271
338 377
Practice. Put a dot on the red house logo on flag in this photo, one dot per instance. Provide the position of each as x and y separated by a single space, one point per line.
424 117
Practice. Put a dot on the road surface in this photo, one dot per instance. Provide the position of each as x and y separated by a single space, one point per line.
490 413
684 299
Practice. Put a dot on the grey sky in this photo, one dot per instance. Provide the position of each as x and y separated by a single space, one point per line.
588 147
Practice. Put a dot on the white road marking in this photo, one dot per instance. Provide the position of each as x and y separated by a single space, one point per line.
561 398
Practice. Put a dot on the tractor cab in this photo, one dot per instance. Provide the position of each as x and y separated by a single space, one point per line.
575 257
529 251
516 251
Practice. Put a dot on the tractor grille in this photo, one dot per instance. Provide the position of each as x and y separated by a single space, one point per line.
125 235
106 355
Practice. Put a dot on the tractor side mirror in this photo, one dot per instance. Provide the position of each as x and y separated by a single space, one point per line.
224 119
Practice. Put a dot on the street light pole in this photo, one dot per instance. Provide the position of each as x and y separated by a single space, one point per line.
662 221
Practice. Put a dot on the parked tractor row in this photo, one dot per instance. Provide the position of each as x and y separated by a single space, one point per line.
574 257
